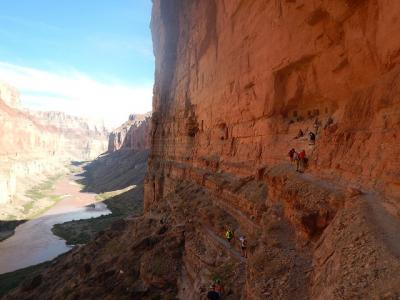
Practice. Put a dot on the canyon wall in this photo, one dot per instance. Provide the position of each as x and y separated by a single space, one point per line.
133 134
33 144
86 138
235 82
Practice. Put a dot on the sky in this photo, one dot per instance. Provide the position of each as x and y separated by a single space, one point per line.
90 58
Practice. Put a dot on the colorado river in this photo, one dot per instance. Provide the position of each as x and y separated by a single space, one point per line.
34 242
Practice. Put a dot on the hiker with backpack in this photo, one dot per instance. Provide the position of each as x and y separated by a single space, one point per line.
216 290
218 287
229 235
302 161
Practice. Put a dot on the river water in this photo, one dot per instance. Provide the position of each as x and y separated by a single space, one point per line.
33 241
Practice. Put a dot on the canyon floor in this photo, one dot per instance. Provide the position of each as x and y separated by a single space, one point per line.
87 207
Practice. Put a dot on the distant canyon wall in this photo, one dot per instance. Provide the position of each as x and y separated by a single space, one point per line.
33 143
9 95
86 138
133 134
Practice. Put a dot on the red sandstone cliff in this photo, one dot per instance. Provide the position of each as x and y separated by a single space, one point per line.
133 134
235 81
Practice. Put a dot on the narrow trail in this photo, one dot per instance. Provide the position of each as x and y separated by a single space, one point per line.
224 243
387 225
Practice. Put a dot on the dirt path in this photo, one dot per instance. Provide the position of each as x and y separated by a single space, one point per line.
34 242
225 244
387 225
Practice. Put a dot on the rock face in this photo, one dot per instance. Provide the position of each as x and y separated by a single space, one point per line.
33 143
235 81
133 134
86 138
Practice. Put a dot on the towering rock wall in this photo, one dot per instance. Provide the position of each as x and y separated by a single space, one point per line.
235 81
249 74
133 134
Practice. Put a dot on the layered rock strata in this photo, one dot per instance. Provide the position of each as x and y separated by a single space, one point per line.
133 134
86 138
36 143
235 81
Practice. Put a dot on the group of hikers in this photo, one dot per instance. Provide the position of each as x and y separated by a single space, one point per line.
312 134
242 239
216 289
299 158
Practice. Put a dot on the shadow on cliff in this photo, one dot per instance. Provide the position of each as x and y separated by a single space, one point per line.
114 171
117 178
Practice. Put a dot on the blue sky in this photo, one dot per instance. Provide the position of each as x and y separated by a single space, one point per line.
74 55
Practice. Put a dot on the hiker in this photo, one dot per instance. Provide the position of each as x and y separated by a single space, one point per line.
291 154
296 159
229 235
312 138
243 244
218 287
302 160
299 134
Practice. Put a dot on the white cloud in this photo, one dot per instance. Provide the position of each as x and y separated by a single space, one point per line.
76 93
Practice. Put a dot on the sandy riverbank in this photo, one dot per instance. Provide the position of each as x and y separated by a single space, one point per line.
34 242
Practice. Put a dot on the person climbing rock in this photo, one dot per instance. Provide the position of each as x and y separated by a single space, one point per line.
229 235
291 154
312 138
299 134
302 160
243 244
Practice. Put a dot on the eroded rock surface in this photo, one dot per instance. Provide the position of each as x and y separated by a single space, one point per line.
133 134
37 143
235 81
